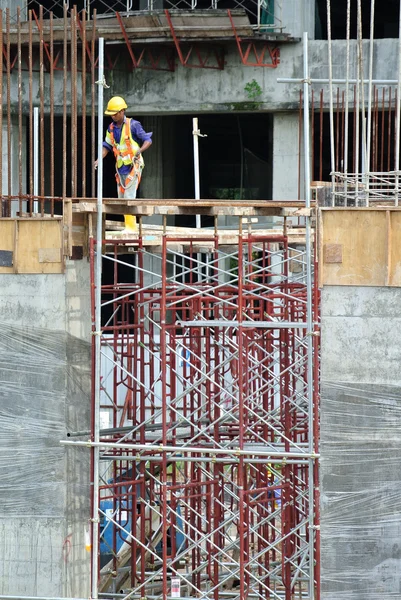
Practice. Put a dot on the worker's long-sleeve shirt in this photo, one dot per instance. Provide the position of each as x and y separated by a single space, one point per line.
138 134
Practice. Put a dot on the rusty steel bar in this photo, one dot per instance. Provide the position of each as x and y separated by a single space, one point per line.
342 147
9 149
355 144
394 122
51 116
2 206
376 128
19 110
389 131
321 138
382 130
337 133
93 113
30 126
42 110
65 65
74 58
313 134
83 127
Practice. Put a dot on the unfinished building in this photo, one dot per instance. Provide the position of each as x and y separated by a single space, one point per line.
205 406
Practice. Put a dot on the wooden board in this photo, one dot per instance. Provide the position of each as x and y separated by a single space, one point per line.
359 246
7 236
36 244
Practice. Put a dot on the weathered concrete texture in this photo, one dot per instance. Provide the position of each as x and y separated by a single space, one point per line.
13 185
45 392
286 157
33 300
360 444
196 91
78 320
298 16
361 327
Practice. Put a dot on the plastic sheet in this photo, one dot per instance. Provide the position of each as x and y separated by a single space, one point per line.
361 492
36 392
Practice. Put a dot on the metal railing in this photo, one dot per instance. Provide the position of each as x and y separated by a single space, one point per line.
265 16
363 189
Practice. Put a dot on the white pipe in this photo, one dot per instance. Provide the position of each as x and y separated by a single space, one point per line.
397 128
195 133
340 81
35 158
363 113
371 44
191 449
346 143
98 324
309 316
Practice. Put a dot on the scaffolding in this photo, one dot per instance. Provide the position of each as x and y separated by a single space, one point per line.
207 458
205 413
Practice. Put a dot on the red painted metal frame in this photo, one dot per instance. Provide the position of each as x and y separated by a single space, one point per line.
248 49
197 52
171 379
147 53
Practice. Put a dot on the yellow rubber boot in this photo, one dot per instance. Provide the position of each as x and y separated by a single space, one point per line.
130 223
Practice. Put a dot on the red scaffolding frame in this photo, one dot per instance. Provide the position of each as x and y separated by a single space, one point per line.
208 458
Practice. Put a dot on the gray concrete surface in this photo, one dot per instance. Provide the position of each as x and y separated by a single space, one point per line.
361 444
44 488
286 157
196 91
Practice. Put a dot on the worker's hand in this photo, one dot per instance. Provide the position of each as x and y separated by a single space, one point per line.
137 155
95 163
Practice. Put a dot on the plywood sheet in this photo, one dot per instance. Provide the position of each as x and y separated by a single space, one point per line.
359 240
39 245
7 241
394 278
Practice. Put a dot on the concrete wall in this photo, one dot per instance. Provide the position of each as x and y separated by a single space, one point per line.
361 443
45 392
196 91
286 159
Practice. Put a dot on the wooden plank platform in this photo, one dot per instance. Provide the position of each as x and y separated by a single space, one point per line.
143 27
149 207
152 235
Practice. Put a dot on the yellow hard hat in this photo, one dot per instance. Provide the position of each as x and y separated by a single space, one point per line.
115 104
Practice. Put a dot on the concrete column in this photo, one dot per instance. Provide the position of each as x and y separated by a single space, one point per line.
45 371
13 186
360 443
286 157
298 16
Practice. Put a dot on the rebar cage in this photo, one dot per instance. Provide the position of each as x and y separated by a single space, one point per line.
207 464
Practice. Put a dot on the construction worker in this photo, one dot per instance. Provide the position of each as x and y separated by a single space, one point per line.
128 140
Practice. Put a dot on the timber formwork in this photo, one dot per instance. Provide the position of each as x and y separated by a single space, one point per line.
207 464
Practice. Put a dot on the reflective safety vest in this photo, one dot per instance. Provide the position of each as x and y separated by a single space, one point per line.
125 153
126 149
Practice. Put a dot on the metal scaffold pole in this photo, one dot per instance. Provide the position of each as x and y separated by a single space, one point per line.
97 333
309 320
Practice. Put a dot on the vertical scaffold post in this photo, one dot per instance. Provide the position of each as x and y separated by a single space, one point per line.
97 333
309 319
